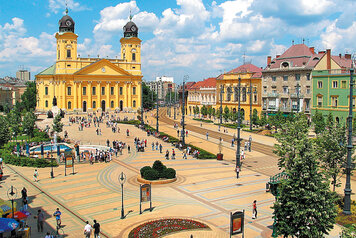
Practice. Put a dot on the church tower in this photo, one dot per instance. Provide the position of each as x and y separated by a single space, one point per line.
131 47
66 45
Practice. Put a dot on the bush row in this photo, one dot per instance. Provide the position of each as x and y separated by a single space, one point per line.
10 158
157 171
203 120
130 122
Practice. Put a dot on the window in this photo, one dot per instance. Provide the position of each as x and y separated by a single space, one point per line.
112 90
308 90
102 90
120 90
307 104
84 91
320 84
112 104
46 103
343 84
274 78
46 90
134 103
297 77
285 78
69 105
93 90
320 101
69 53
124 56
353 102
133 56
58 54
284 103
334 101
69 91
308 77
274 91
264 89
94 104
254 98
285 89
335 84
134 91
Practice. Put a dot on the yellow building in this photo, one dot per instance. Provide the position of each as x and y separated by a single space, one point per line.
228 84
89 84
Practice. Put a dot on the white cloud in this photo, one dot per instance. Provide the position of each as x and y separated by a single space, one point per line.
60 5
314 7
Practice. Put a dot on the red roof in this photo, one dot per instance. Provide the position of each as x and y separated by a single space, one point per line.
247 68
206 83
342 61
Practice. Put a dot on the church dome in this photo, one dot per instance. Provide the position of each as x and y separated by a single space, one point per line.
66 23
130 30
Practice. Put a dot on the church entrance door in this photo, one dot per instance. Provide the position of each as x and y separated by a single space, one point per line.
121 105
103 105
84 106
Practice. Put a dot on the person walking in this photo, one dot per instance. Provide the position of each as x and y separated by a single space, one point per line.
185 154
178 133
40 220
167 155
87 230
35 176
186 133
96 227
207 135
249 143
173 154
160 148
25 204
237 170
58 214
24 193
153 146
128 148
254 210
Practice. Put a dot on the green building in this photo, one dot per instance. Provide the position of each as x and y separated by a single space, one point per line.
331 86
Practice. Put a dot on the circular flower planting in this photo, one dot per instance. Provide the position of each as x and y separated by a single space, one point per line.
163 227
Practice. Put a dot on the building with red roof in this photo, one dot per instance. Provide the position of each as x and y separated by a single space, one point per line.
202 93
227 90
286 80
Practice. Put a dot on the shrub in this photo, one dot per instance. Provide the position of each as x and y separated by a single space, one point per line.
143 169
169 173
49 114
157 165
151 174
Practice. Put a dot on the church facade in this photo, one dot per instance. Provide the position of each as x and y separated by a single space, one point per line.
78 84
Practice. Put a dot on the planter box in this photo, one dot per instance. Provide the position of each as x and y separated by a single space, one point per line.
219 156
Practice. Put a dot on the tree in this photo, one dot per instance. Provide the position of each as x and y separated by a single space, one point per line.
14 119
331 150
148 97
329 119
305 205
226 113
319 122
210 112
28 98
57 124
255 119
28 123
263 120
204 110
5 133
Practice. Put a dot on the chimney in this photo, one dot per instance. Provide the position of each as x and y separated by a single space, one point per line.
269 58
328 58
277 56
322 52
312 49
340 56
347 56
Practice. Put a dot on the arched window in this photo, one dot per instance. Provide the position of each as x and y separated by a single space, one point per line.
285 64
46 103
134 103
69 54
94 104
243 94
133 56
69 105
236 94
112 104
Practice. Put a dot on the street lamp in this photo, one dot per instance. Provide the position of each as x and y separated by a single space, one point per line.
186 77
157 108
122 180
12 194
52 173
349 165
221 109
175 101
250 104
238 125
298 101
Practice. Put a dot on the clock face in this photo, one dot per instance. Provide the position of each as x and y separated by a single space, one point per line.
133 28
68 23
103 69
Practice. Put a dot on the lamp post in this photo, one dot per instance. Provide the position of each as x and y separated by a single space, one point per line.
175 102
122 180
221 99
298 103
238 125
250 104
157 108
52 173
12 194
142 122
186 77
349 166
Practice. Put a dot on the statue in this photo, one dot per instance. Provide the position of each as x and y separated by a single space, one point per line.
54 101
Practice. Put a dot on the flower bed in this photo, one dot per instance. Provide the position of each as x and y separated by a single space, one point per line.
159 228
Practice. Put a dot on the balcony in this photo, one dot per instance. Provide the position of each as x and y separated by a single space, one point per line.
331 72
295 95
272 107
285 109
273 95
208 103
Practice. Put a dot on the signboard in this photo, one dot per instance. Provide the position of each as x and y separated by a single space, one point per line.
237 222
145 195
69 162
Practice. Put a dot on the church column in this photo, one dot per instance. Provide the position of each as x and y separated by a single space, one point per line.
126 101
107 89
89 102
75 103
139 92
117 95
98 86
60 102
80 103
129 98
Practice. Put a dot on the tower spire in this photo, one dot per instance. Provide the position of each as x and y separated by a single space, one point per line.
130 15
66 7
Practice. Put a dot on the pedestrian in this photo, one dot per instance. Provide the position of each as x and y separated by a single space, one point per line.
96 227
0 163
160 148
167 155
249 143
25 204
178 133
24 193
185 154
237 170
232 142
129 149
173 154
40 220
207 135
186 133
153 146
58 214
254 211
156 145
242 155
48 235
87 230
35 176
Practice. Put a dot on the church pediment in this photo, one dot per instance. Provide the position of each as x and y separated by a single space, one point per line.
103 67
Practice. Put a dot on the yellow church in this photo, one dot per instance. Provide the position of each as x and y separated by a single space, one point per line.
79 84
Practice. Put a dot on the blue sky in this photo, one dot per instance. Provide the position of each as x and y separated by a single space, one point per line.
200 38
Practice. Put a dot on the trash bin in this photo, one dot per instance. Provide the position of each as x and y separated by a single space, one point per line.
220 156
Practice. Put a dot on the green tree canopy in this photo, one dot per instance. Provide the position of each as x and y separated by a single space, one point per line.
28 98
226 113
5 133
14 119
148 97
204 110
29 121
318 121
57 124
255 119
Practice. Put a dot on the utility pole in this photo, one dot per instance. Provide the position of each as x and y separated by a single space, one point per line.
221 99
183 111
238 163
298 103
250 104
349 165
142 119
175 101
170 102
157 108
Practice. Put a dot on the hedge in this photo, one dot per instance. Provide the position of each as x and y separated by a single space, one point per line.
203 120
130 122
157 171
169 173
10 158
143 169
230 125
151 174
